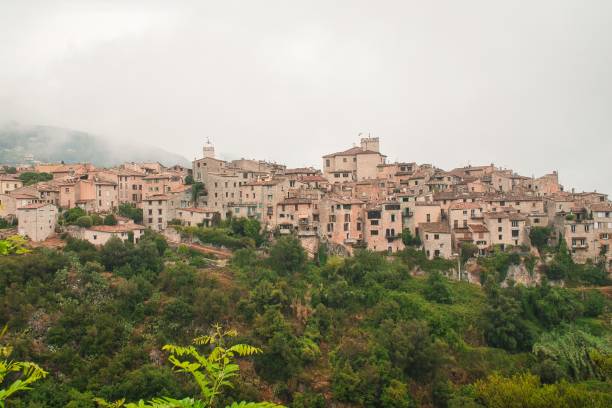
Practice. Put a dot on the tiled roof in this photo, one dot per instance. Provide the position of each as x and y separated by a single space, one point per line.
353 151
313 178
295 200
34 206
117 228
464 206
478 228
601 207
435 227
300 170
202 210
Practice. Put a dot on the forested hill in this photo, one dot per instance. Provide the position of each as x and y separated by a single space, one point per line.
362 331
52 144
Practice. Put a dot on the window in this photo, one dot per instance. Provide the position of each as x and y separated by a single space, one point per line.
344 159
392 217
465 224
499 229
515 233
573 228
500 237
150 211
456 224
536 220
346 226
499 220
515 224
374 232
428 218
327 163
436 236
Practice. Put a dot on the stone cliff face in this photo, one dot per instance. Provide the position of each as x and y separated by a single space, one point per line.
520 274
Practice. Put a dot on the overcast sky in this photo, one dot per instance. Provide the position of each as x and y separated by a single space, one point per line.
522 84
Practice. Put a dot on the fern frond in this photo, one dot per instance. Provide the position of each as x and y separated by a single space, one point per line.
245 350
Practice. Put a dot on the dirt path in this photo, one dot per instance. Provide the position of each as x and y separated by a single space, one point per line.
206 249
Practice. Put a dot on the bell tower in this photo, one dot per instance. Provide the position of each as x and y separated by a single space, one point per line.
209 150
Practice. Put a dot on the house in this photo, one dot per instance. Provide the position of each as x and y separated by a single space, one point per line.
9 183
157 211
100 234
383 227
9 203
36 221
422 212
342 221
356 163
192 216
297 214
507 228
461 214
436 239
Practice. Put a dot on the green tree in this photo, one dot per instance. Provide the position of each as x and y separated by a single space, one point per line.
130 211
396 395
197 190
70 216
84 221
29 178
539 237
504 325
28 373
287 256
213 372
110 219
437 289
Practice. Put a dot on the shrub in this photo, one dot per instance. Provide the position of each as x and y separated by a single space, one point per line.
84 221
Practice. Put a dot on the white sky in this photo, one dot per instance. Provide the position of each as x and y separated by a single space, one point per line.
523 84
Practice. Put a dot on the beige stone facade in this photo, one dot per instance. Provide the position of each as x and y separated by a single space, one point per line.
36 221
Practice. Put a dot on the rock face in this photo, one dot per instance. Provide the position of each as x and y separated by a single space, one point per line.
522 276
518 274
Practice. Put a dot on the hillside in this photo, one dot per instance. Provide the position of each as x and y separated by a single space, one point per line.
365 331
51 144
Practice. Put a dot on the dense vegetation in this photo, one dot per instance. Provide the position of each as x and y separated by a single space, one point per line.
31 177
360 331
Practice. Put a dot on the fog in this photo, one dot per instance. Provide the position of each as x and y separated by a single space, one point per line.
522 84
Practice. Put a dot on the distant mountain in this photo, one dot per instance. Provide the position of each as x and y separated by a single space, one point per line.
51 144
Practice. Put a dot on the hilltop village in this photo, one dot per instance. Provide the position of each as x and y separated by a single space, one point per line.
358 200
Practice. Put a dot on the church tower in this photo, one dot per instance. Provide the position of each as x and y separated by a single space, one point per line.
209 150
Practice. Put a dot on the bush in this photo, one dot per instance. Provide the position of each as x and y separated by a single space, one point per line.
539 237
130 211
437 289
85 221
71 215
287 256
110 219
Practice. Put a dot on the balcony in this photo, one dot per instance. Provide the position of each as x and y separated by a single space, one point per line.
579 245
